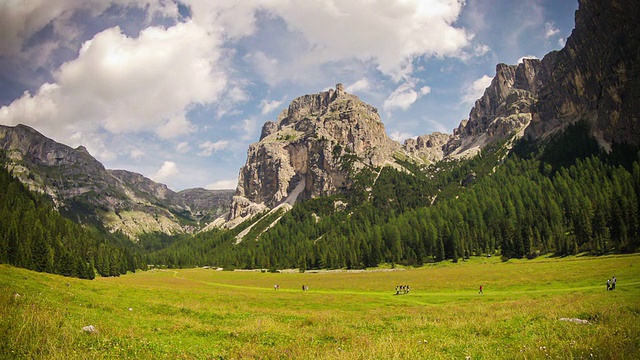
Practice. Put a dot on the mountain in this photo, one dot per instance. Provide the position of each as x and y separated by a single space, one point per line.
314 149
322 141
83 190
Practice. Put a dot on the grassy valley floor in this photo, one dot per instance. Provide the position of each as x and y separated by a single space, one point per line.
208 314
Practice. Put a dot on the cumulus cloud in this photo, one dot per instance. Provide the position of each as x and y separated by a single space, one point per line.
550 30
520 60
391 33
208 147
168 170
400 136
358 86
183 147
404 96
248 127
561 42
123 84
267 106
222 185
136 154
472 93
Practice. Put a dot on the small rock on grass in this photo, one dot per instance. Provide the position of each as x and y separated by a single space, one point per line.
575 320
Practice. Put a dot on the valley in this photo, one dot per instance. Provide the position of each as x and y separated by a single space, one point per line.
207 314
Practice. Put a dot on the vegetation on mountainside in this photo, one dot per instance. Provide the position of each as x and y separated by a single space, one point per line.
539 200
534 200
35 236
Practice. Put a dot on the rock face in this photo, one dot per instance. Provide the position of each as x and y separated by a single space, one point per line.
429 148
84 190
596 76
312 149
503 111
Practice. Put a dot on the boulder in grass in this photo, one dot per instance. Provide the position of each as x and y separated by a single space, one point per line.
89 329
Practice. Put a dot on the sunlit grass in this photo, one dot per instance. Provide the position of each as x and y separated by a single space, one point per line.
207 314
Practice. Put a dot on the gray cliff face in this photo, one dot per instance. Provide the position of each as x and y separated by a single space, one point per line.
84 190
596 76
428 148
305 153
503 111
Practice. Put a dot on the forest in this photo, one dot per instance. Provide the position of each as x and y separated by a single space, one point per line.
33 235
563 197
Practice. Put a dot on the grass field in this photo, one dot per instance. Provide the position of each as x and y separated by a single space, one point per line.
207 314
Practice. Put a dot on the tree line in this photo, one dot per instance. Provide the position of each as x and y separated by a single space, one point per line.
33 235
538 200
563 197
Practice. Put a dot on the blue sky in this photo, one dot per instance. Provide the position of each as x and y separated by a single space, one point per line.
177 90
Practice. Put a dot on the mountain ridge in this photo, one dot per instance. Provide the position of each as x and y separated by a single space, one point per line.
120 200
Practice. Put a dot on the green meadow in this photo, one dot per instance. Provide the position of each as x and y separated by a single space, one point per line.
208 314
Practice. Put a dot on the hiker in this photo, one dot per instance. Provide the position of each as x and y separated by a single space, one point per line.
397 289
408 289
608 284
302 287
480 292
613 283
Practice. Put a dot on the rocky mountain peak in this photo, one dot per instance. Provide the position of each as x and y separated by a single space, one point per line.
303 154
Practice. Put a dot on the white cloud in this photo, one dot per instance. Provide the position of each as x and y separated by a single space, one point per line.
209 147
183 147
22 21
425 90
400 136
222 185
267 106
472 93
248 127
404 96
526 57
168 170
358 86
123 85
391 33
561 42
136 154
550 29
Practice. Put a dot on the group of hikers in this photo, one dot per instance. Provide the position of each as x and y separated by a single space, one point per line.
611 283
404 289
304 287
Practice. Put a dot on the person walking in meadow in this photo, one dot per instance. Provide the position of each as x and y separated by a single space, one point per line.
608 284
613 283
480 292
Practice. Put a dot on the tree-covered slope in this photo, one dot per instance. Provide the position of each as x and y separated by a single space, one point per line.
536 199
35 236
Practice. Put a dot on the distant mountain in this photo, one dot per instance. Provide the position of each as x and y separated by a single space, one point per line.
82 189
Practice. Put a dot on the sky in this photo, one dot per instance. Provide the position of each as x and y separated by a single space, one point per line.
177 90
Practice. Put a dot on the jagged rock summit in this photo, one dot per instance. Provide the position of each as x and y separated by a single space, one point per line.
311 150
